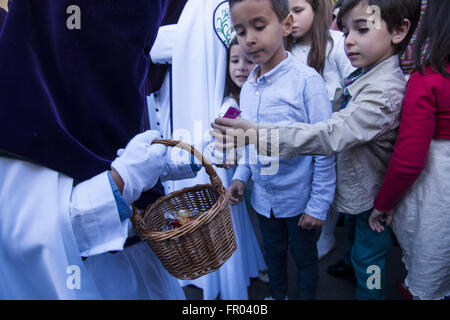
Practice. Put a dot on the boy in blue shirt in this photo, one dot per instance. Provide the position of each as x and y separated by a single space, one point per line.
291 196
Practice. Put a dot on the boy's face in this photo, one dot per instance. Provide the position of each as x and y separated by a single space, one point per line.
367 42
260 33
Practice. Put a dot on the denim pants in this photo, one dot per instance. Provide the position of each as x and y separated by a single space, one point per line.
367 251
278 233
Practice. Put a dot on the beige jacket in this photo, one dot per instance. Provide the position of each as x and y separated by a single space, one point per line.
363 136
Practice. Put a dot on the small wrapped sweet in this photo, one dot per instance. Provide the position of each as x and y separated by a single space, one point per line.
180 218
184 216
171 221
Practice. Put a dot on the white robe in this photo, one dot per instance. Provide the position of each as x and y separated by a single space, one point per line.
46 225
199 69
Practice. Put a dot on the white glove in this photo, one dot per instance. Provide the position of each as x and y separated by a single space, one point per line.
140 164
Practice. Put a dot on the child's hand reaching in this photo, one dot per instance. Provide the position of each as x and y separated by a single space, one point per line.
307 222
224 124
377 217
236 192
233 133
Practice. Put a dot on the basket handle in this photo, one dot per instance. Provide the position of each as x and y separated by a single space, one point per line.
216 183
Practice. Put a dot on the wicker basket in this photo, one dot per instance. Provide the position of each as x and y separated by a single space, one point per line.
196 248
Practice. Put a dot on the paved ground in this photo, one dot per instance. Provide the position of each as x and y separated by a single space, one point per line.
330 288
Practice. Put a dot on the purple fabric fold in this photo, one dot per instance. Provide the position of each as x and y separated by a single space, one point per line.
3 14
70 98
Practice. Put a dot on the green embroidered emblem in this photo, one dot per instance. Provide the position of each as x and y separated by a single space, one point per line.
222 23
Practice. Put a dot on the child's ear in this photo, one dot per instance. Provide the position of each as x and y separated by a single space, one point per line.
401 32
288 22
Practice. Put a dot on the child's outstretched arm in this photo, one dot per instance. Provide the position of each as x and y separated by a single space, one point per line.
232 133
369 116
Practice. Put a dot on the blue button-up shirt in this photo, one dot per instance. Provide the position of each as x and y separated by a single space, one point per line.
291 92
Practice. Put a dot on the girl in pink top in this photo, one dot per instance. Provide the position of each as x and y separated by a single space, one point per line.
417 183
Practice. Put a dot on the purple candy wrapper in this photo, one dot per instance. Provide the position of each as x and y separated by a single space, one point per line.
232 113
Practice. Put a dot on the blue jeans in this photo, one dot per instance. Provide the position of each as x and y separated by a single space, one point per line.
367 248
277 235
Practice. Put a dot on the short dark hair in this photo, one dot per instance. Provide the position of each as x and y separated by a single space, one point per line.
280 7
393 12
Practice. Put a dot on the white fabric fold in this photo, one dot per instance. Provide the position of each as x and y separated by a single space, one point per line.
162 49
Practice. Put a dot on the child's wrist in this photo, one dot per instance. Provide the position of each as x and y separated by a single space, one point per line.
117 180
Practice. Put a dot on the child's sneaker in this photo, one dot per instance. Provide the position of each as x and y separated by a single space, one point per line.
341 270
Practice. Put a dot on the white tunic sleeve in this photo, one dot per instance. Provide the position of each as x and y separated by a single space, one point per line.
95 217
162 48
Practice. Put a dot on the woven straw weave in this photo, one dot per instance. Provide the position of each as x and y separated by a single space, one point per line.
196 248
